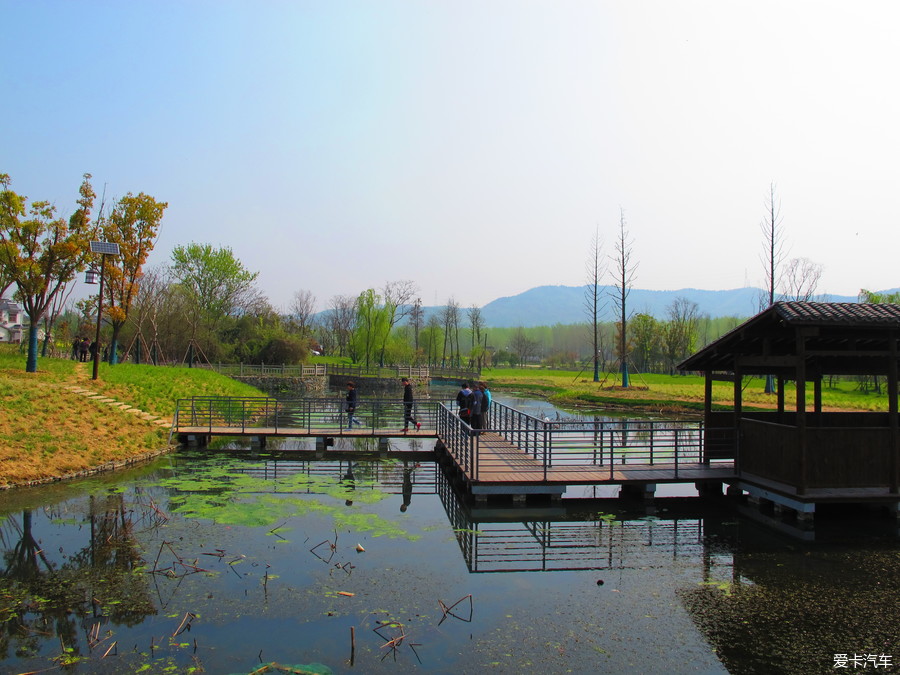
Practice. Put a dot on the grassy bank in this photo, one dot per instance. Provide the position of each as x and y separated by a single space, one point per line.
665 393
47 430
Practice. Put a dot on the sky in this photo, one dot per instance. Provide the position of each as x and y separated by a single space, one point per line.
473 147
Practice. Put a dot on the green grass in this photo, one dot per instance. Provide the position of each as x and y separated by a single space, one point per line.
673 391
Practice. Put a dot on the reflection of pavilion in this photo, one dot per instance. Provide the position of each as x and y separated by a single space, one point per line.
520 539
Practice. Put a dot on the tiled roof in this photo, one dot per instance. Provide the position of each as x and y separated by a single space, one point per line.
855 313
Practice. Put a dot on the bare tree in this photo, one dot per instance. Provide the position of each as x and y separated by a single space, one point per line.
476 323
772 258
680 335
145 314
302 308
801 279
773 247
450 320
339 320
398 298
623 273
593 298
522 346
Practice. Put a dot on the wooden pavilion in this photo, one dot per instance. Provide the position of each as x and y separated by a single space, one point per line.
798 458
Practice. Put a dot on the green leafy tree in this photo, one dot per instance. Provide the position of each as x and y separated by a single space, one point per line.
215 284
645 332
40 252
371 329
133 225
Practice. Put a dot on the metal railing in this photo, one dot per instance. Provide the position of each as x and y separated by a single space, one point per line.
310 415
566 444
587 444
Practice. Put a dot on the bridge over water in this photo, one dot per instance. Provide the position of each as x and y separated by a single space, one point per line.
515 453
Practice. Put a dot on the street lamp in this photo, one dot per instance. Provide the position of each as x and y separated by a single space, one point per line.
104 248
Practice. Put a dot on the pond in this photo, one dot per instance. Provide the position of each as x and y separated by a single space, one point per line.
227 563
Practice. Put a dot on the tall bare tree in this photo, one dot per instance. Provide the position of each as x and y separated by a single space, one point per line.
450 320
623 274
772 257
773 247
476 324
593 297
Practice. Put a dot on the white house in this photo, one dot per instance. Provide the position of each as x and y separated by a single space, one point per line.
12 319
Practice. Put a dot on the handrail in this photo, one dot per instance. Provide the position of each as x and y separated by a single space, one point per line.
551 444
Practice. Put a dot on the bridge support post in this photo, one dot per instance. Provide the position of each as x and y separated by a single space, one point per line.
639 491
709 489
384 445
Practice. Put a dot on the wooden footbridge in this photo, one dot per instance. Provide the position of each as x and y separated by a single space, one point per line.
515 453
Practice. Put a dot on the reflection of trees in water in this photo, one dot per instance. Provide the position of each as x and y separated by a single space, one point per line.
50 600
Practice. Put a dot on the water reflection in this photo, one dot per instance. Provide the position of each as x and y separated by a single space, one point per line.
251 556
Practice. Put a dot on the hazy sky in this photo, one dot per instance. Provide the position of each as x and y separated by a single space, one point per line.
473 147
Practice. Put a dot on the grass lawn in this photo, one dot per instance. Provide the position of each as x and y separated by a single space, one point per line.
671 392
47 430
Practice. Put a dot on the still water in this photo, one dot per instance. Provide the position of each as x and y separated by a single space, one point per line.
222 563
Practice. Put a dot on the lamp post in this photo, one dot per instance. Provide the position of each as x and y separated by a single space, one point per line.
104 248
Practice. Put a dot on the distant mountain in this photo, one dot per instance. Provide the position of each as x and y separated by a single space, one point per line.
549 305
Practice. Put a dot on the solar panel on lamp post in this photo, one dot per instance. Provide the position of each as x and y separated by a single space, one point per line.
104 248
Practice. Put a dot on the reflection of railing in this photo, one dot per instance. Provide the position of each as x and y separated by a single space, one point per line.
308 414
388 476
603 543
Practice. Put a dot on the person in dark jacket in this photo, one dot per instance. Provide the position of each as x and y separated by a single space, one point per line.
351 406
465 400
408 402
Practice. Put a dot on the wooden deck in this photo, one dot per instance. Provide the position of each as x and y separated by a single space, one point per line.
502 463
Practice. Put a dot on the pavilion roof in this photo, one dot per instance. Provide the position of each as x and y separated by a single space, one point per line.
839 338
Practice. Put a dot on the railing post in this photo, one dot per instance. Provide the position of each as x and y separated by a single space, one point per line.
675 431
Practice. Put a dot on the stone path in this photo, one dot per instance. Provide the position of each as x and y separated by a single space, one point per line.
124 407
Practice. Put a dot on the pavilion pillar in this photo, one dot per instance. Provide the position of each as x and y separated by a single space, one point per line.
817 398
707 412
801 409
738 393
893 421
781 399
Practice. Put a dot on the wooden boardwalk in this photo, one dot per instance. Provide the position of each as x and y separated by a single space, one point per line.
517 453
501 462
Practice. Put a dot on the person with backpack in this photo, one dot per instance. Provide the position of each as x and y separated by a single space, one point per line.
465 399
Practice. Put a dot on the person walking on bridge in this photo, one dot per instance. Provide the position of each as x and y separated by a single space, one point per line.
352 401
408 402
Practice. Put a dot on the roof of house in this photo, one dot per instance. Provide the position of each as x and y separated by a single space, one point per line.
838 338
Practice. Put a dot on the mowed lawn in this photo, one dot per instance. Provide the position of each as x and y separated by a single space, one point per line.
47 430
673 391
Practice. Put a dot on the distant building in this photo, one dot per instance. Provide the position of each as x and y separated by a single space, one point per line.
12 320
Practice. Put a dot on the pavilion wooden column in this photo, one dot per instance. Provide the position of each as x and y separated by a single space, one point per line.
892 413
780 399
801 408
707 411
738 390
